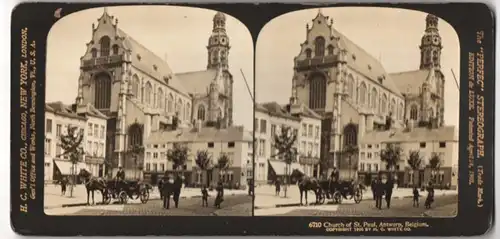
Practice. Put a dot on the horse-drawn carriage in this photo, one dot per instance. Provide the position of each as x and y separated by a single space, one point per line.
339 190
125 189
329 188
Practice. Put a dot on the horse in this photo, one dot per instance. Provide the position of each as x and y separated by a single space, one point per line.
307 184
93 184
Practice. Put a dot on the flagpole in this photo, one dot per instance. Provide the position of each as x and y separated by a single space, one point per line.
454 77
246 83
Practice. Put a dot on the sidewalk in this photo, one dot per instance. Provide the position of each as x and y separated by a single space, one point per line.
54 199
265 196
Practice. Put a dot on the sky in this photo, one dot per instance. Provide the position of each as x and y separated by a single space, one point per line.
389 34
178 33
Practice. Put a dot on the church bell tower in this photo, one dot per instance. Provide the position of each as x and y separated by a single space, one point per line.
218 43
430 48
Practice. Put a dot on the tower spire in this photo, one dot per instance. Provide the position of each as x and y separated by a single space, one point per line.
218 43
430 48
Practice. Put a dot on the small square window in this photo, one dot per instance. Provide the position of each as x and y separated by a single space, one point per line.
442 144
230 145
422 144
210 144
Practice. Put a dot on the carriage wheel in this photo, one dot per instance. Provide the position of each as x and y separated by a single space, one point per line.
358 196
107 197
321 198
144 195
123 197
337 197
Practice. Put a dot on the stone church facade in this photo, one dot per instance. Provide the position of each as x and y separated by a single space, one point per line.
355 95
140 94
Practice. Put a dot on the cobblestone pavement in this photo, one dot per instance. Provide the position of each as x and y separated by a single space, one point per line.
237 205
403 207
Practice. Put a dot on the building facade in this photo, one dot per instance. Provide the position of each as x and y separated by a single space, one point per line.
355 96
233 142
90 123
140 94
304 123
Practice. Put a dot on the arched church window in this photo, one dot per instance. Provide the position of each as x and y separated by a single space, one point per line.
201 112
413 112
178 109
102 87
94 52
319 46
317 91
362 94
135 134
393 107
330 50
350 87
215 56
115 49
308 53
160 99
219 114
374 99
431 113
170 103
383 104
105 45
148 94
135 86
401 111
350 135
435 57
188 111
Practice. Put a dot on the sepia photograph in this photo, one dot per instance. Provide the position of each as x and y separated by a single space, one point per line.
365 123
149 112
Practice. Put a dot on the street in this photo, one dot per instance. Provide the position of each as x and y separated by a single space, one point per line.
233 205
443 206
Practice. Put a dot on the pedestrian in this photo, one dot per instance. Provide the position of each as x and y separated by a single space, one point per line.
177 190
168 189
389 186
378 193
220 195
430 196
204 196
277 184
416 196
63 182
250 187
372 186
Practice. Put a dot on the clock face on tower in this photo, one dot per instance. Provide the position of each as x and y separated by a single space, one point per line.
427 40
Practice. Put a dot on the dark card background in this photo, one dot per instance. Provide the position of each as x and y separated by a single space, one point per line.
466 18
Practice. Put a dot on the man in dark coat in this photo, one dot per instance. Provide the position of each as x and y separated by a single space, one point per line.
389 186
277 184
250 187
168 190
120 177
177 190
378 192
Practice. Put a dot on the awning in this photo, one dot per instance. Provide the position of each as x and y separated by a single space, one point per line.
66 166
280 166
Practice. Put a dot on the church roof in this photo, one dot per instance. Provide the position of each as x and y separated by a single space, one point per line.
208 134
90 110
303 111
364 63
410 82
197 82
150 63
276 110
420 134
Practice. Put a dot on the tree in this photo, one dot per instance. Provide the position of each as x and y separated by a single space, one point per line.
178 155
434 164
71 146
350 150
284 144
415 161
136 151
223 163
203 160
391 155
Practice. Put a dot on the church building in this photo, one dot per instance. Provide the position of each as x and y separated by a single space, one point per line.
140 94
356 96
